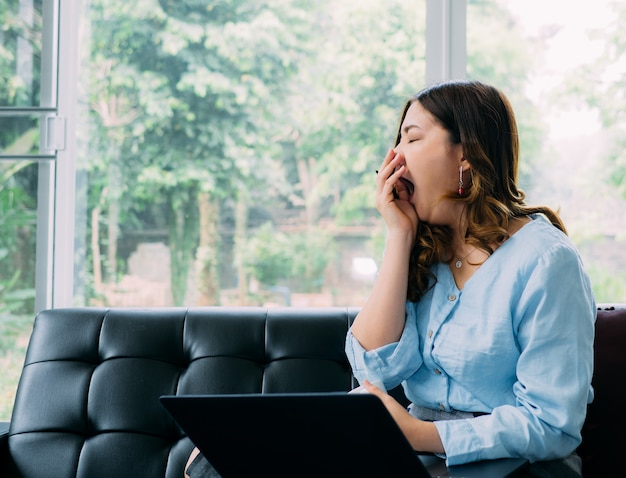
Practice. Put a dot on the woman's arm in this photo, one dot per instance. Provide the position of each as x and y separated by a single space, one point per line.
381 319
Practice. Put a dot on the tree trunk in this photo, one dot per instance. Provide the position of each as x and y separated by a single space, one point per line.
207 255
113 217
95 244
95 251
183 239
308 180
241 235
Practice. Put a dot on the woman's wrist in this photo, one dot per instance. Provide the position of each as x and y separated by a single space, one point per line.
397 239
425 437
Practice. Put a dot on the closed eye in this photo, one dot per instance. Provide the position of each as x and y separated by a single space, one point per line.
404 139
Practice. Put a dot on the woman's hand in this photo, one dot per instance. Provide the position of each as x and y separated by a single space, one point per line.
195 452
397 411
392 195
423 436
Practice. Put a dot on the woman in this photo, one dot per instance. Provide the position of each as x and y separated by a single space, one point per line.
481 309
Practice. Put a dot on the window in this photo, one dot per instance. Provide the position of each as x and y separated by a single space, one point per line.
227 156
28 141
196 156
564 68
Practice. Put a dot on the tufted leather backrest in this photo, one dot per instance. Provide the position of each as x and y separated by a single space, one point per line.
87 403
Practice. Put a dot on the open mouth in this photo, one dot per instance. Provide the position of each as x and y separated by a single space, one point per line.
407 186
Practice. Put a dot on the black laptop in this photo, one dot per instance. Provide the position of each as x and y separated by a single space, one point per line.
310 435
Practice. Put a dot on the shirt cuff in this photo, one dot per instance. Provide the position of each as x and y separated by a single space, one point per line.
460 442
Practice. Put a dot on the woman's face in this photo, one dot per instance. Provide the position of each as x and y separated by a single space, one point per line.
432 165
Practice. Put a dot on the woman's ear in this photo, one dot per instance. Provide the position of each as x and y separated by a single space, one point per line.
464 163
457 153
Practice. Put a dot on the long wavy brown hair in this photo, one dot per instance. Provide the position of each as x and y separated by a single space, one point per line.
480 118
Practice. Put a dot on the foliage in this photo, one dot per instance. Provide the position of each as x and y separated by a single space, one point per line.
15 331
366 60
267 255
607 284
192 84
17 238
311 252
273 257
11 298
20 47
18 87
183 99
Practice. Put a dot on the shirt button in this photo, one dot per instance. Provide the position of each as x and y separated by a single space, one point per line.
451 297
442 407
430 333
437 371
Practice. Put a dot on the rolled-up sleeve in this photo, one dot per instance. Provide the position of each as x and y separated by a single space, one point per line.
391 363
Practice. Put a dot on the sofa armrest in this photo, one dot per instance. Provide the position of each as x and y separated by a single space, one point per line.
603 440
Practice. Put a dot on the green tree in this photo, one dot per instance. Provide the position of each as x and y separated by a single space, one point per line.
17 239
120 98
344 104
195 81
206 114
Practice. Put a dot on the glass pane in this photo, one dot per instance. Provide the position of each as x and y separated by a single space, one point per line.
227 155
19 135
20 52
18 209
563 65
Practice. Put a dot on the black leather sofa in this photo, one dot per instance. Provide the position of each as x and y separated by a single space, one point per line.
87 403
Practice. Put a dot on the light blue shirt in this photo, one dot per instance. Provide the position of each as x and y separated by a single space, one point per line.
516 342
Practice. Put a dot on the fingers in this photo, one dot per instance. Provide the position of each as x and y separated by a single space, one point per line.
392 196
391 154
391 171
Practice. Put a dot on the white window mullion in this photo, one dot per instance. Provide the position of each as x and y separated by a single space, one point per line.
446 54
65 181
46 169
